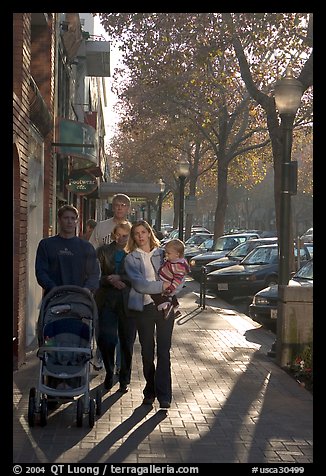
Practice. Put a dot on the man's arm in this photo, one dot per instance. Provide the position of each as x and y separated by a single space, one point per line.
42 267
93 270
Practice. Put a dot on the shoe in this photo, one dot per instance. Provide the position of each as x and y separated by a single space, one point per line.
177 314
108 383
164 405
168 312
148 400
123 388
98 365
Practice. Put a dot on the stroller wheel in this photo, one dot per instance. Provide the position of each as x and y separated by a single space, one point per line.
43 412
98 401
91 412
31 407
80 412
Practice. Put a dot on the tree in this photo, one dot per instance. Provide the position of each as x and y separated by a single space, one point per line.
187 66
294 46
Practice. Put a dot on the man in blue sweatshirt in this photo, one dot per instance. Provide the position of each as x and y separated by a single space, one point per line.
66 259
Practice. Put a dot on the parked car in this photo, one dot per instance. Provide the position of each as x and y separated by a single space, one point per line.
222 246
307 237
238 253
197 239
263 308
310 247
202 248
175 233
256 271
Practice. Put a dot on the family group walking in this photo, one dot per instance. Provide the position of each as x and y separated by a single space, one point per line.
134 282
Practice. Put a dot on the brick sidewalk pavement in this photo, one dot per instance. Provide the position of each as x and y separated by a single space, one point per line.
231 403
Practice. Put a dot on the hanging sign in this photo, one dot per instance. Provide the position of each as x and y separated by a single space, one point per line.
81 182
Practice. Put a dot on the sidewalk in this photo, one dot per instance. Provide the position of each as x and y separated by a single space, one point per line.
231 403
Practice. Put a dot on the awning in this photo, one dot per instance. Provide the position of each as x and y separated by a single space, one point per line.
132 189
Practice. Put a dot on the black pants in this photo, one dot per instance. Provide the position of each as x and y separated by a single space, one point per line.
151 325
113 323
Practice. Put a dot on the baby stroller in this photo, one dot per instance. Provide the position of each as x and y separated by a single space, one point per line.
65 336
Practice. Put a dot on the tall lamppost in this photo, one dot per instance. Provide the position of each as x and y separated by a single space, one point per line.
288 92
158 222
182 172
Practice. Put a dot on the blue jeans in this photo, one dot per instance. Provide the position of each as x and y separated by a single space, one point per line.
113 323
151 325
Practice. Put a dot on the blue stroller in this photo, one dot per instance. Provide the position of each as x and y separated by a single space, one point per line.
65 336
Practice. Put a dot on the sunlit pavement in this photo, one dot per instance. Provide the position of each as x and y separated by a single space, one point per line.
231 403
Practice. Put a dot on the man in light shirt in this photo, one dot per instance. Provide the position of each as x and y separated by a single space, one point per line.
102 232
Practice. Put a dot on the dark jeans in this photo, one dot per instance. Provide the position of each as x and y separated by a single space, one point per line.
113 323
150 325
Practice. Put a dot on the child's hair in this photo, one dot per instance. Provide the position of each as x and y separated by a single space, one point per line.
126 226
177 245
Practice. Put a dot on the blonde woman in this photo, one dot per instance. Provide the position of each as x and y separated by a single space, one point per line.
142 263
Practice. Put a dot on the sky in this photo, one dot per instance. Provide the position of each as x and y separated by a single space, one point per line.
111 117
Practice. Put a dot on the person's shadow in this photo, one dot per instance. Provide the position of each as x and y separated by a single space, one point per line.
131 443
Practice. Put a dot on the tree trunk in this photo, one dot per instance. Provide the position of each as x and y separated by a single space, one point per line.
222 200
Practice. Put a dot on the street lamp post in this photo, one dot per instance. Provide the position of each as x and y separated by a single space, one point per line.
183 172
288 92
158 222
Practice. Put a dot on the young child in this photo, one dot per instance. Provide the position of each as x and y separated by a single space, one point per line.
174 270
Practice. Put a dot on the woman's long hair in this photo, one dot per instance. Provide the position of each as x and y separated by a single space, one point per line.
132 245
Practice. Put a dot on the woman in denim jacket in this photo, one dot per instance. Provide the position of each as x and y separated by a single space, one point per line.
142 263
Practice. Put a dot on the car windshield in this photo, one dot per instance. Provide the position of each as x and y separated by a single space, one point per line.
228 242
240 251
207 244
262 255
196 240
306 272
310 247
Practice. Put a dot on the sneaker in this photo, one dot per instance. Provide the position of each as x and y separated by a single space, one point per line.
164 405
124 388
177 314
168 312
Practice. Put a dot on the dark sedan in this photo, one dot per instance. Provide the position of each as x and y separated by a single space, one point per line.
223 245
238 253
256 271
263 308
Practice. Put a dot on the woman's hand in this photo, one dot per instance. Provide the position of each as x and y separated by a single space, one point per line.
115 281
165 286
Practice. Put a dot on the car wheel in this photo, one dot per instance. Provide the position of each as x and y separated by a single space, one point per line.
271 281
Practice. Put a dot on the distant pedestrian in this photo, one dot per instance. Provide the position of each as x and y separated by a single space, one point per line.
142 263
173 271
90 225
